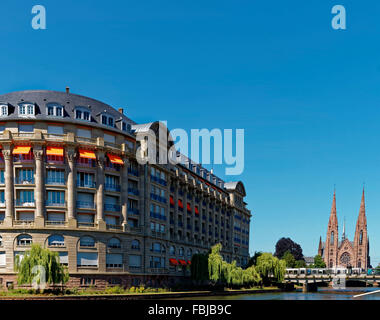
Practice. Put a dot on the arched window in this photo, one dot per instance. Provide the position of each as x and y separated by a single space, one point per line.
56 240
114 243
181 252
189 253
135 245
24 240
87 241
172 250
361 237
332 237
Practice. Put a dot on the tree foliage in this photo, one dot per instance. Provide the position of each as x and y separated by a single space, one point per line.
253 260
221 272
55 273
318 262
269 266
286 244
289 259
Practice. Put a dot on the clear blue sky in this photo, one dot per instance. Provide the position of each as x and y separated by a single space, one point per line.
308 96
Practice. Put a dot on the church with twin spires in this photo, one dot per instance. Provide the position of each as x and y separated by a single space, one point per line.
345 253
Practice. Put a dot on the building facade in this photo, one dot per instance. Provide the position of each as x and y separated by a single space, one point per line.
69 180
346 253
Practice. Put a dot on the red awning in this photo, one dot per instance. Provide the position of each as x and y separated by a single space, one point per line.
173 262
87 154
115 159
171 201
54 151
188 207
182 262
180 204
188 262
196 210
21 149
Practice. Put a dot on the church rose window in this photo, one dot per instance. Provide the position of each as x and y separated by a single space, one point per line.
345 259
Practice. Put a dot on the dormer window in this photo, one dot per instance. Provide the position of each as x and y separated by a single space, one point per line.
26 109
3 110
82 113
54 110
108 120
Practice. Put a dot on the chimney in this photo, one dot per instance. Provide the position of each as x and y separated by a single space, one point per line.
67 89
121 110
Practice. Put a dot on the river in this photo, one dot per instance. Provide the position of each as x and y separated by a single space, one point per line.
322 294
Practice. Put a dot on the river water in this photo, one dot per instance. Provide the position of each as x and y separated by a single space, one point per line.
322 294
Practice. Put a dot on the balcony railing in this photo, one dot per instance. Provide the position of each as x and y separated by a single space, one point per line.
133 191
56 182
26 223
133 211
112 207
83 184
24 181
157 198
56 223
114 227
22 203
86 205
55 204
86 224
112 187
158 180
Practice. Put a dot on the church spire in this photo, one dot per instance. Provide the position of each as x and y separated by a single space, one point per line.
344 230
333 217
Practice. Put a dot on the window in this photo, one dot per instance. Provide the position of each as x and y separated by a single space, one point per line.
114 260
172 250
85 180
109 138
87 259
87 241
26 109
64 258
82 113
84 133
24 240
55 198
25 197
3 110
114 243
361 237
108 120
55 176
26 128
134 261
55 130
181 252
3 259
135 245
332 237
54 110
56 241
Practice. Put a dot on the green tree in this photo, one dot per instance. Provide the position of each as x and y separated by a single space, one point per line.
270 267
253 260
199 267
289 259
215 263
300 264
55 273
318 262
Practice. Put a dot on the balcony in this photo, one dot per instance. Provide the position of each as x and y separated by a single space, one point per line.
114 227
86 224
112 207
133 191
133 211
55 204
23 203
56 182
157 198
112 187
157 216
24 223
24 181
112 167
86 184
55 223
133 172
85 205
158 180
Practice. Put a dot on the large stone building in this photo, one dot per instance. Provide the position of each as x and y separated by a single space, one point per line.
346 253
69 180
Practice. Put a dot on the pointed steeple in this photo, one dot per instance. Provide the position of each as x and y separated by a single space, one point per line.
333 217
320 247
362 207
344 230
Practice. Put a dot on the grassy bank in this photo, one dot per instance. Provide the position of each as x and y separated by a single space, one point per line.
132 292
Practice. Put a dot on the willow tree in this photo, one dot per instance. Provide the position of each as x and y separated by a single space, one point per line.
270 267
40 266
215 262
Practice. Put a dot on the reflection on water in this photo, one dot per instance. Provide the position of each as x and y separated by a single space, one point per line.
322 294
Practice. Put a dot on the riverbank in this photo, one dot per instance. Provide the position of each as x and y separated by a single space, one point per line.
140 296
